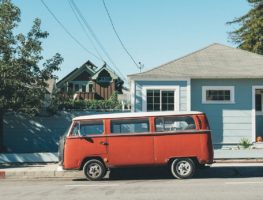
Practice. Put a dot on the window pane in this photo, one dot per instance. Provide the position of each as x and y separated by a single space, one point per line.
174 123
149 99
149 107
156 93
156 107
167 100
130 126
258 102
218 95
91 128
150 93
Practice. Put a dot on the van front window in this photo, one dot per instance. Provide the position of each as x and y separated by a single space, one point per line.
85 128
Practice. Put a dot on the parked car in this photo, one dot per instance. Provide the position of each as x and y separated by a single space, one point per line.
97 143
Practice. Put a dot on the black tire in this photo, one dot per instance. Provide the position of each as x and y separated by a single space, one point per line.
183 168
94 170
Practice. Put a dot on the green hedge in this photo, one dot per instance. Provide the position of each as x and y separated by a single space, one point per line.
111 103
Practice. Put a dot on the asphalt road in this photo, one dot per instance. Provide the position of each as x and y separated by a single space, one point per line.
221 182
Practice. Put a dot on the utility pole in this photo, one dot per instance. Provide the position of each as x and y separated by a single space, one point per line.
140 67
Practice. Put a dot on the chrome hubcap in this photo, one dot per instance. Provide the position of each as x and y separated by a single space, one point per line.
183 168
94 170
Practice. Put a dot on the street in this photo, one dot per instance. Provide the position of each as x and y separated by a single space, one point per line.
218 182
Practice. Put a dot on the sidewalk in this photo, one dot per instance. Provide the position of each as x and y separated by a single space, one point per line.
36 171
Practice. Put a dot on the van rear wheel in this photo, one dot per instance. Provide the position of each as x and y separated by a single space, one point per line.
94 170
183 168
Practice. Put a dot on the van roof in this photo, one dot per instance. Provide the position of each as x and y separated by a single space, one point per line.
133 114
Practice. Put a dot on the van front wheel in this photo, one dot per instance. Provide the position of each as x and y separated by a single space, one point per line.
94 170
183 168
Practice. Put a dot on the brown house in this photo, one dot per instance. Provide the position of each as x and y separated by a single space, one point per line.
86 82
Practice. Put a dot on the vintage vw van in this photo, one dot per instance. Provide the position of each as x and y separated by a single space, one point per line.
97 143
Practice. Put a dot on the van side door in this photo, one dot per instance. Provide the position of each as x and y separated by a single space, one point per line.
130 142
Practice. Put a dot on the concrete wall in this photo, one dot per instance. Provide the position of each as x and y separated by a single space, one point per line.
38 134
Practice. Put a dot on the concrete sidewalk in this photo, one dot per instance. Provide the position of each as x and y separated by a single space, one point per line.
36 171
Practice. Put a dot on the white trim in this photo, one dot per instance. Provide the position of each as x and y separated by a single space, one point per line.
176 89
188 94
254 132
232 94
132 95
160 79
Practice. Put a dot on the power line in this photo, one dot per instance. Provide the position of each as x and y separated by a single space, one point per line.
66 30
95 37
117 35
83 28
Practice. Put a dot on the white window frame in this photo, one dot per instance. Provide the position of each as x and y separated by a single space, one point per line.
176 90
232 94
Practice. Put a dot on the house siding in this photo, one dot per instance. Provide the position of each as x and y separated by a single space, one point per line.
138 101
229 122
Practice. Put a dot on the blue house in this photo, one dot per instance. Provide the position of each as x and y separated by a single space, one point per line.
224 82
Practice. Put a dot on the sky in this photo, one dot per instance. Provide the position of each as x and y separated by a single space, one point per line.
153 31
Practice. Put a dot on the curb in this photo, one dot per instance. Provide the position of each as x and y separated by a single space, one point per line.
30 175
250 160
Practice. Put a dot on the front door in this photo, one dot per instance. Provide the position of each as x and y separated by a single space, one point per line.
130 142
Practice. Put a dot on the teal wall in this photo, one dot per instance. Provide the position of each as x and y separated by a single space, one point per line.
138 92
229 122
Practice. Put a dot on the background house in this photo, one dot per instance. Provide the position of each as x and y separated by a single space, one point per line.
89 82
224 82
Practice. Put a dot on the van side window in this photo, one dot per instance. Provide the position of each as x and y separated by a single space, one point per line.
89 128
130 126
174 123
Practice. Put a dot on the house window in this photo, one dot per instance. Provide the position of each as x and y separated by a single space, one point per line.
76 87
218 94
158 100
90 88
83 88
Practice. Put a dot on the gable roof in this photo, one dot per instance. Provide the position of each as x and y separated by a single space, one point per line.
87 66
111 72
214 61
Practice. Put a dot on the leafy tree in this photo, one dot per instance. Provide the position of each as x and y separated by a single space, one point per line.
22 81
249 35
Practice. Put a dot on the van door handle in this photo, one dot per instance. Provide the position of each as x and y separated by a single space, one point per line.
104 143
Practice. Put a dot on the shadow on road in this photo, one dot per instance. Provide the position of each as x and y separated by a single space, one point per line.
159 173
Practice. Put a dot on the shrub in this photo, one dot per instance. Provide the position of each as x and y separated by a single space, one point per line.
245 143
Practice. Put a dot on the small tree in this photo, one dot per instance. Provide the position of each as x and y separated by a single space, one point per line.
249 35
22 81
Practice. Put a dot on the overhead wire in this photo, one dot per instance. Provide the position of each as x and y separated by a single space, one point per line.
84 30
117 35
96 38
67 31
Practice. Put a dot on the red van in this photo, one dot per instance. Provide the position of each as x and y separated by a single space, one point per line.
97 143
